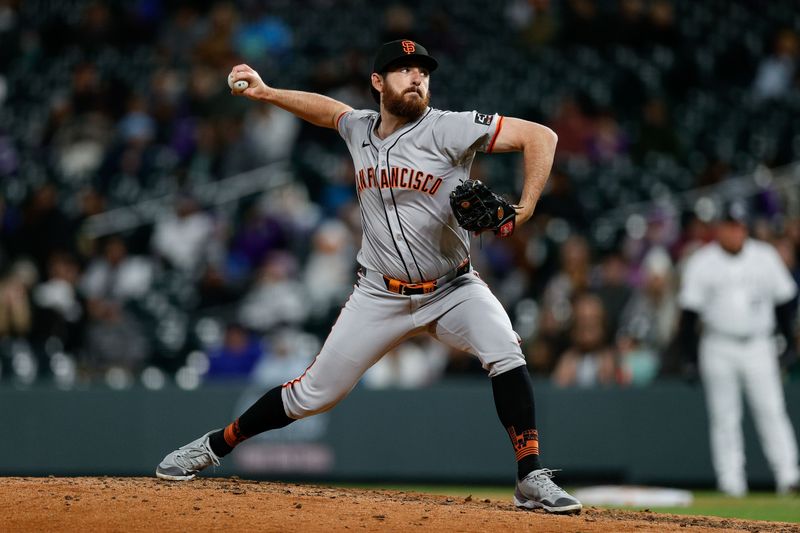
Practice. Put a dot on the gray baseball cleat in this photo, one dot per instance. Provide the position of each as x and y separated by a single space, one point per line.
537 491
185 462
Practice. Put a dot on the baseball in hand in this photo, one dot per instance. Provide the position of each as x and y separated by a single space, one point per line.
237 86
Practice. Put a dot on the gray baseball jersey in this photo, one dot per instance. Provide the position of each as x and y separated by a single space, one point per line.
404 183
410 234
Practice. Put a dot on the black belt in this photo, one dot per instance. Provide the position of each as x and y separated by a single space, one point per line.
426 287
744 338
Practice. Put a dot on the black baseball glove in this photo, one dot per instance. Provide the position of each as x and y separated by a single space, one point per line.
479 209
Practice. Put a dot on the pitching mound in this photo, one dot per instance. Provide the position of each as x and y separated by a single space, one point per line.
147 504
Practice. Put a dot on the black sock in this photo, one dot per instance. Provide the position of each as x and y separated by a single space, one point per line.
513 398
267 413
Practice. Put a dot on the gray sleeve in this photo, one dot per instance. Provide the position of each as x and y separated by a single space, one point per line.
347 121
460 135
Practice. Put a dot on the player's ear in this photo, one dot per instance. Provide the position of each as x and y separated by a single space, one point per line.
377 82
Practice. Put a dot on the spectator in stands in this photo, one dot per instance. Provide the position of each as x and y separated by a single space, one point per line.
269 133
398 23
535 21
776 74
657 134
608 140
262 40
98 27
337 193
15 308
79 141
440 35
298 215
573 278
9 27
560 201
216 48
201 149
415 363
613 287
79 125
631 26
8 226
648 321
9 154
693 234
43 227
220 285
59 308
583 24
89 92
661 229
181 34
348 85
276 298
131 161
661 28
330 271
290 353
259 235
112 282
237 356
203 93
589 360
90 203
183 238
574 129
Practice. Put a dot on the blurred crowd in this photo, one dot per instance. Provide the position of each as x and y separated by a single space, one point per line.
107 105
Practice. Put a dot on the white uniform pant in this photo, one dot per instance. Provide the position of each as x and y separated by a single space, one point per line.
463 314
728 367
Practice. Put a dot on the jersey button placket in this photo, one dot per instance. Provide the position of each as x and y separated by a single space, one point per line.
394 225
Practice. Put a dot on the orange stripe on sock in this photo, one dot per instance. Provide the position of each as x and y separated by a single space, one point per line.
525 443
533 450
233 434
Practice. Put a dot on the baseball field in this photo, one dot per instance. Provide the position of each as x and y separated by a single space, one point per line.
144 504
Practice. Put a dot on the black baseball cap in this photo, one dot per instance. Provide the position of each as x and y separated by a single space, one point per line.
735 211
394 51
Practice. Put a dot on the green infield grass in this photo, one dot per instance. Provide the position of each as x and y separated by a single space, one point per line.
756 506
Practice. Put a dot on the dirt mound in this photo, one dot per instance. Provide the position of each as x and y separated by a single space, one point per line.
147 504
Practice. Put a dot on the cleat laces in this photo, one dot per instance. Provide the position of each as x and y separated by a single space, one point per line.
194 459
542 481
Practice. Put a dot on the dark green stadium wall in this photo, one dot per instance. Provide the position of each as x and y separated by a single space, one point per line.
445 433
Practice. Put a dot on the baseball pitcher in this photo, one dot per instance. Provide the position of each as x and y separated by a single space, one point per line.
418 209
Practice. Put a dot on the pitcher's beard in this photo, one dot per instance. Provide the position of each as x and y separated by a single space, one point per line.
410 109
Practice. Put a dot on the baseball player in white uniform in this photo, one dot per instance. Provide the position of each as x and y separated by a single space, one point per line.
739 290
415 276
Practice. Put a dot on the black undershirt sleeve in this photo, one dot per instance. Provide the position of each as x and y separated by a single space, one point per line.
784 315
688 337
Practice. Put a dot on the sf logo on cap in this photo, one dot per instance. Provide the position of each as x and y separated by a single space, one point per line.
409 47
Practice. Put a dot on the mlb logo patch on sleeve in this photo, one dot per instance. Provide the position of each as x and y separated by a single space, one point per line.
486 120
